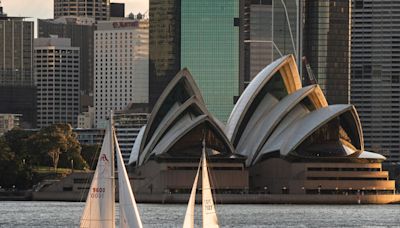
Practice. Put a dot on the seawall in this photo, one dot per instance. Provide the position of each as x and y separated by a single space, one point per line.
236 198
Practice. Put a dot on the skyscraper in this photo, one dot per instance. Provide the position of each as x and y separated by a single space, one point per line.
97 9
80 30
164 44
117 10
375 74
121 66
17 90
269 30
57 80
326 36
210 50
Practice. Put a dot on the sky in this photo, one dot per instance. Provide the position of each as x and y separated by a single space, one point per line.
43 9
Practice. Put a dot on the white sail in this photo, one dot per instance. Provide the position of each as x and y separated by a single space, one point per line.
128 211
210 219
100 203
189 217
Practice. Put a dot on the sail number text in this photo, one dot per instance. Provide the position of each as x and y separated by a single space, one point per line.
97 192
208 205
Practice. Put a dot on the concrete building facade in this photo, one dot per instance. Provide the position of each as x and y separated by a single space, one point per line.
86 119
57 80
375 79
97 9
127 128
81 31
121 66
17 89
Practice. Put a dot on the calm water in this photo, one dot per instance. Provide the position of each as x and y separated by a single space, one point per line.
61 214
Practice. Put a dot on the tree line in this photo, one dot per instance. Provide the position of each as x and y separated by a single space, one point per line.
55 146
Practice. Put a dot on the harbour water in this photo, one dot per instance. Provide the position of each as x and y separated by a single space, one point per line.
67 214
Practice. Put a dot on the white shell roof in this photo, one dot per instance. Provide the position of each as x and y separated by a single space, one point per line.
311 123
371 155
249 94
176 121
136 146
255 135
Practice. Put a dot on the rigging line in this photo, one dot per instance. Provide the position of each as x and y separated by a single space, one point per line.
290 28
212 178
280 53
96 154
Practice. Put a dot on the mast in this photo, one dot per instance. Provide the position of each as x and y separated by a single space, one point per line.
210 219
112 162
99 210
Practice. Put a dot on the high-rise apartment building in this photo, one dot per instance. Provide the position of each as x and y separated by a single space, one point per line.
164 52
127 127
81 31
375 74
326 45
269 30
97 9
210 50
57 80
17 90
121 66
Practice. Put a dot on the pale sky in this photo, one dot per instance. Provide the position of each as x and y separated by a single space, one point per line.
43 9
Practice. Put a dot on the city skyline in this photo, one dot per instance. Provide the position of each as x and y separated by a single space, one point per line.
43 9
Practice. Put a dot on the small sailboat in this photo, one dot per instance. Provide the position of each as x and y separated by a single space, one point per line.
210 219
99 210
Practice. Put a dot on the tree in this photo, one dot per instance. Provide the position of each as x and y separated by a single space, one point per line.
56 140
91 153
19 142
14 172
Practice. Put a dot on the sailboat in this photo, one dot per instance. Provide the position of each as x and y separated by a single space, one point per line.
99 210
210 219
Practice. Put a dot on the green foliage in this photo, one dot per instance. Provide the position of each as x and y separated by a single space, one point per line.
20 151
57 140
91 154
13 171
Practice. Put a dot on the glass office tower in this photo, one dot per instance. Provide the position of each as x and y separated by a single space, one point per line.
327 46
210 50
164 45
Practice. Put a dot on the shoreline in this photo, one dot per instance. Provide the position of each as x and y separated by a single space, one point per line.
219 198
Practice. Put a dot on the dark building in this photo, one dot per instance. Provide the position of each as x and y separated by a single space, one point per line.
81 34
19 99
164 45
269 30
17 90
326 45
16 42
97 9
117 10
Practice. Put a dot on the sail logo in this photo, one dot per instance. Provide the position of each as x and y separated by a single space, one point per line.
104 165
104 158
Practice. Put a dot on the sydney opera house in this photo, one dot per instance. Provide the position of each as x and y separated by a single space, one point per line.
281 138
